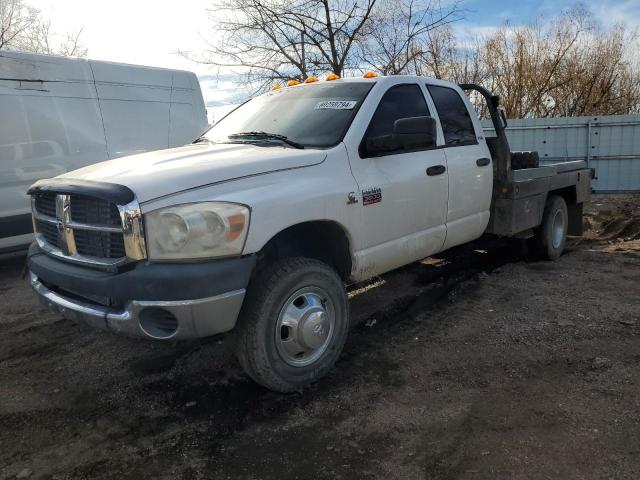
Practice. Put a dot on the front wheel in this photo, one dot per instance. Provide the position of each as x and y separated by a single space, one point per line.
293 324
550 238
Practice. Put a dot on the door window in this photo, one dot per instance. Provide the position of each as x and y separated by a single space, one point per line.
454 116
401 101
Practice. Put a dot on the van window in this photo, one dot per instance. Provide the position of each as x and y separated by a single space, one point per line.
454 116
401 101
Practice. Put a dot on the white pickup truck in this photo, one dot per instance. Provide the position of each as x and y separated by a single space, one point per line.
258 225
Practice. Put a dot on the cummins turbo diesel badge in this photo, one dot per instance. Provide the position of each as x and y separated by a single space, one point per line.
335 105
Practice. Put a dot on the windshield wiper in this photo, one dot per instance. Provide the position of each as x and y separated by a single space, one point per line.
202 140
267 136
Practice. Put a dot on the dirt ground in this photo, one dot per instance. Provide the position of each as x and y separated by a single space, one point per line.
473 365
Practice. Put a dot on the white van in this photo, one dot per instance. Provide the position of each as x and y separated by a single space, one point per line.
58 114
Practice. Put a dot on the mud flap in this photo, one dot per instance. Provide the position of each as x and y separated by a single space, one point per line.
575 226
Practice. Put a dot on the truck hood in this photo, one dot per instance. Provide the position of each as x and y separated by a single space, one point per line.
165 172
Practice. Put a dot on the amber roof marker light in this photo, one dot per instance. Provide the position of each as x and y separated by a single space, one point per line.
311 80
292 83
276 87
332 76
370 75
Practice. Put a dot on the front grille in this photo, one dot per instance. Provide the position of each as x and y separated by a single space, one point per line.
49 232
46 204
84 211
94 211
99 244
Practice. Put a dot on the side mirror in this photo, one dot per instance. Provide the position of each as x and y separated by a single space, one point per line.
410 133
415 132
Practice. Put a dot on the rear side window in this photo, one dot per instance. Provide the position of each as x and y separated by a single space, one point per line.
454 116
401 101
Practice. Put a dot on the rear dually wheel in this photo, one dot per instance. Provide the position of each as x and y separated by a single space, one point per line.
551 237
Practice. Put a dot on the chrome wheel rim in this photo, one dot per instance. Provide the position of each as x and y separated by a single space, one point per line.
557 229
305 326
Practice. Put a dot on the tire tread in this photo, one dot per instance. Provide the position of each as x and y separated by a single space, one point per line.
539 243
250 351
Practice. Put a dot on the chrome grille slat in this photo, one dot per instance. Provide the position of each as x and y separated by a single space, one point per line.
45 218
94 228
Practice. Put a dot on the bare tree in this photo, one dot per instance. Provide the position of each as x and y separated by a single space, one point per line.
567 66
276 40
443 58
601 77
23 28
560 67
16 19
333 28
401 33
43 39
71 46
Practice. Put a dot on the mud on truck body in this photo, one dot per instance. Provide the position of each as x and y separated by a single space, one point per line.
258 225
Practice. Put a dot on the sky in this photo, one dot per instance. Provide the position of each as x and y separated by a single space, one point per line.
151 32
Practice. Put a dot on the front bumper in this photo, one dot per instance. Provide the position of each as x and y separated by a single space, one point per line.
194 318
156 301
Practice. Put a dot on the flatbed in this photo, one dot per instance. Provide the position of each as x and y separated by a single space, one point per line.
520 195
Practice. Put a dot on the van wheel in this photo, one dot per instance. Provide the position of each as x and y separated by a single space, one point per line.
293 325
550 238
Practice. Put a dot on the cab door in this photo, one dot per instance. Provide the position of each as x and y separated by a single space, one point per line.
468 162
402 194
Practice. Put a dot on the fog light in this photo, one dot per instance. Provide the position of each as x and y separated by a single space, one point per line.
158 323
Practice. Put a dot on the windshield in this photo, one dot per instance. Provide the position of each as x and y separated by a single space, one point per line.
313 115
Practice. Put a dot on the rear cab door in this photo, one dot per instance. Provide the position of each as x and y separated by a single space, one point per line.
402 207
468 163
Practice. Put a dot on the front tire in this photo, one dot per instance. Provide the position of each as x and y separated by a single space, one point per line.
293 324
551 237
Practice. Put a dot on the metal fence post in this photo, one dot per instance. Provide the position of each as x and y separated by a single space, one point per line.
588 142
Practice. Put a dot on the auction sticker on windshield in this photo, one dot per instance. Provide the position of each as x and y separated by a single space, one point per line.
336 105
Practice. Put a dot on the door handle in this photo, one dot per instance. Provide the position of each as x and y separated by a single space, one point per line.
436 170
482 162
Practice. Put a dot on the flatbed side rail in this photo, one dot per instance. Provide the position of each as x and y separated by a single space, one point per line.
520 208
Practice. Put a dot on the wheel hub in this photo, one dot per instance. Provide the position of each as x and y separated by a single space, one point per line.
305 326
315 329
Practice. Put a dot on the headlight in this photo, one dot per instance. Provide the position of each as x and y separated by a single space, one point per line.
197 230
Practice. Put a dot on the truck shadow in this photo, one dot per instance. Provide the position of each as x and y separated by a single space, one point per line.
204 381
153 397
